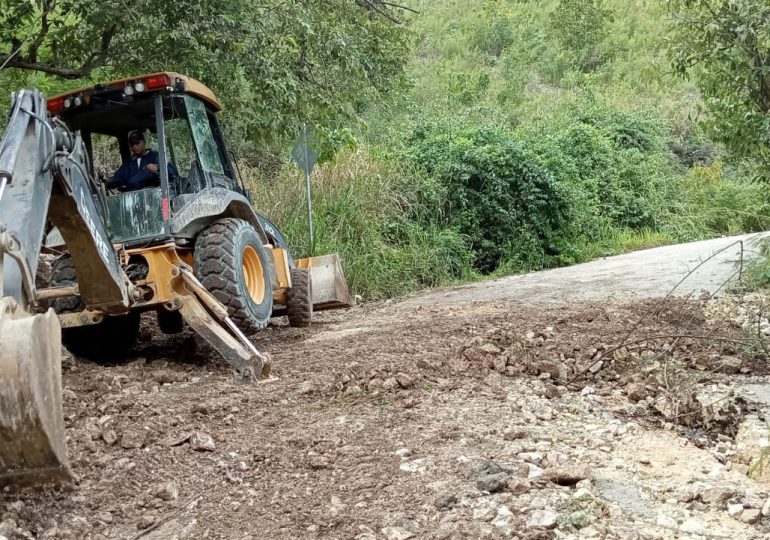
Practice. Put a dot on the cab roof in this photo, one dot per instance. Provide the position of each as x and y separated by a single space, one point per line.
177 81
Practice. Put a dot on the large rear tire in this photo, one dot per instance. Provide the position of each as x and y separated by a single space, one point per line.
234 266
106 342
299 309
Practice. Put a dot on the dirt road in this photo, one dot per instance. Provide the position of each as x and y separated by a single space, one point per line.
472 412
641 274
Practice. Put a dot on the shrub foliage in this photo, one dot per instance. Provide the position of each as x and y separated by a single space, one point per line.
495 194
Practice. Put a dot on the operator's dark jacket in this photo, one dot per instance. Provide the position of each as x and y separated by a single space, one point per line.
133 174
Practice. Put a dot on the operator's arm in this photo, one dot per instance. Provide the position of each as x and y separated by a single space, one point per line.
153 164
120 178
142 179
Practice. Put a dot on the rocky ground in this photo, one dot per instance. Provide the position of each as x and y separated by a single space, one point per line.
439 420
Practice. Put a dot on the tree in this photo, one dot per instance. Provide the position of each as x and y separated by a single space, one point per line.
725 46
275 63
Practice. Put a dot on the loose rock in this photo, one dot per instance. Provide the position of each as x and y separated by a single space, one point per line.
568 475
109 436
167 376
202 442
132 438
104 517
636 391
493 483
717 494
404 380
750 515
552 391
514 434
166 491
766 508
7 527
692 526
94 430
390 383
545 519
556 370
534 471
147 520
396 533
518 486
319 462
481 467
446 500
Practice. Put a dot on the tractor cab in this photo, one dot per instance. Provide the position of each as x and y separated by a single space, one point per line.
176 116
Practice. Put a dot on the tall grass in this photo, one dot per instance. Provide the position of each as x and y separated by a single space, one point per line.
363 209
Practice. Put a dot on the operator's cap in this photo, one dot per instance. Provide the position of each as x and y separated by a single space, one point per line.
135 135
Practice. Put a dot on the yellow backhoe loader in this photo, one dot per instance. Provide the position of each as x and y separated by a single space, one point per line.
182 241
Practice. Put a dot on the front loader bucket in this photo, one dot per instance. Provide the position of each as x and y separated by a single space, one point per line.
32 445
330 289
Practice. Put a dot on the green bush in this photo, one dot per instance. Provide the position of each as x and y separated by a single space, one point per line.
540 150
495 193
581 27
492 37
634 130
615 164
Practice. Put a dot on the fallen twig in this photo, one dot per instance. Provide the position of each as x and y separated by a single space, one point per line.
168 517
608 352
685 278
624 342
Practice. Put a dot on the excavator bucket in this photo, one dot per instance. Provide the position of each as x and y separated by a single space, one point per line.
32 444
330 289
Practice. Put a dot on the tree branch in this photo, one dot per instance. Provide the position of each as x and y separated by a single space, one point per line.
94 60
380 7
99 57
399 6
23 63
31 55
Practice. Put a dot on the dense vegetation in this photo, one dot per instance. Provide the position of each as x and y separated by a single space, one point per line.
727 45
478 136
276 64
527 135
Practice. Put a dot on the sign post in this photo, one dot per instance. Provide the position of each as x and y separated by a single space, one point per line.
306 158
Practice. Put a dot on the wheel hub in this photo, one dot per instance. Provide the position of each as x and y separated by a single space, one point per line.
252 274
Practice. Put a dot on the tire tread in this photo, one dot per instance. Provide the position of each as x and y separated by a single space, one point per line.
217 268
299 309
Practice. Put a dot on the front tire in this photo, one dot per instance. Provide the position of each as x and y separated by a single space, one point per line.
299 309
234 266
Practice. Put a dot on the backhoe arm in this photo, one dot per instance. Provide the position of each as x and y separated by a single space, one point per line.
44 174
